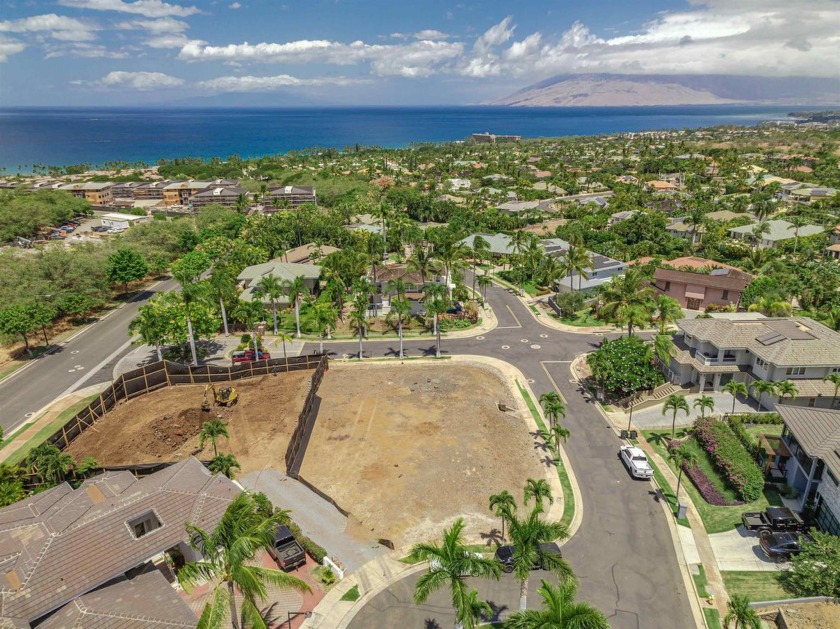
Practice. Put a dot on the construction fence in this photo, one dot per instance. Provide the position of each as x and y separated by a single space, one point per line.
306 421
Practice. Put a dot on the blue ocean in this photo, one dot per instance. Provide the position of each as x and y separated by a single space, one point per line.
60 136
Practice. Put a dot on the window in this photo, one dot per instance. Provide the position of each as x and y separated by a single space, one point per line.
811 402
144 524
667 285
725 294
759 362
835 370
795 371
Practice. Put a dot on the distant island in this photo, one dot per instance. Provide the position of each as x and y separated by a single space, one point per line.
627 90
816 116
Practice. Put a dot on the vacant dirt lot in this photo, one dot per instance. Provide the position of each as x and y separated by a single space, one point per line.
809 616
407 449
164 425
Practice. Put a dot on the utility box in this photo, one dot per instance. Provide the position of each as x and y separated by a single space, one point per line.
682 511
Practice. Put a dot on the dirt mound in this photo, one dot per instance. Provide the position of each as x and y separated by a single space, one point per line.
169 433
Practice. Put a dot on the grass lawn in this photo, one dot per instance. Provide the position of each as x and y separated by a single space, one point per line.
565 483
668 491
47 430
582 319
700 581
712 617
352 594
715 519
758 585
774 430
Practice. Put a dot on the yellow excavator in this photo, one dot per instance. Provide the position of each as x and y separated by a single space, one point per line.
225 396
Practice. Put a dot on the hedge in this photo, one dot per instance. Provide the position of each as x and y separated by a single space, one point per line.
315 551
756 418
738 429
704 486
730 457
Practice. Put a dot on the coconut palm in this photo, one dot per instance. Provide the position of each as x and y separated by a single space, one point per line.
740 613
474 610
833 378
49 463
786 388
674 404
451 254
502 504
228 567
222 287
450 565
324 316
553 406
771 305
401 311
211 431
436 301
663 347
538 490
11 491
249 313
736 388
484 282
796 223
627 298
577 261
422 262
559 611
704 403
556 433
758 230
224 464
297 290
271 287
682 457
761 387
667 310
186 271
480 249
282 339
149 327
382 211
358 318
527 535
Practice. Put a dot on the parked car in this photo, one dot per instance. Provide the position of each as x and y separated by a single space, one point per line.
248 355
782 546
776 519
636 461
286 550
99 228
504 555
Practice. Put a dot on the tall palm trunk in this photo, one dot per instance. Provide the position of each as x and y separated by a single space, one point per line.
361 329
321 339
192 341
274 314
523 594
437 334
234 615
297 317
679 480
224 315
402 353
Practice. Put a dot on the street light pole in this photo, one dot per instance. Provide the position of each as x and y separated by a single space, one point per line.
630 421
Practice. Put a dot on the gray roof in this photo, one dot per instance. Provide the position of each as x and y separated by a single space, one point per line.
517 206
499 243
284 271
60 544
785 341
817 430
779 230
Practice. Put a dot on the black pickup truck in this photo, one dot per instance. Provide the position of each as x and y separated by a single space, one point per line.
775 519
287 552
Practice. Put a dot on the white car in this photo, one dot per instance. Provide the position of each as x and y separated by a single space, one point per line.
636 461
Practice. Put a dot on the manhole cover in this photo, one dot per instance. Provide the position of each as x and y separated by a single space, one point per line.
543 336
479 338
535 346
75 351
530 381
29 414
505 346
524 341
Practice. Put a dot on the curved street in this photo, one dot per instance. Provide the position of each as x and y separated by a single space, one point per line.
623 552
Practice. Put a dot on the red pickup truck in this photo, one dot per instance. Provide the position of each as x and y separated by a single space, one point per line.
248 355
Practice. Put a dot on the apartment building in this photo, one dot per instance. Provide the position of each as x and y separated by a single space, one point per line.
289 197
180 192
97 193
149 191
748 347
223 196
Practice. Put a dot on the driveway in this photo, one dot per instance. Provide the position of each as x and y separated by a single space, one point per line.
653 418
739 550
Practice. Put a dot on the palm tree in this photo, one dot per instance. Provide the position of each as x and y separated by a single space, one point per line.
49 463
771 306
663 347
502 504
796 223
735 388
270 286
451 254
358 318
228 565
758 230
675 403
436 302
578 261
558 432
480 248
401 310
149 327
559 611
474 609
761 387
297 289
211 431
186 271
740 612
539 490
704 403
249 313
833 378
553 406
222 286
786 388
484 282
626 298
682 456
382 212
11 491
324 316
527 536
667 310
283 338
450 564
422 262
224 464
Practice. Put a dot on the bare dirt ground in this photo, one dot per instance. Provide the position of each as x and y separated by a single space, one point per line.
810 616
164 425
407 449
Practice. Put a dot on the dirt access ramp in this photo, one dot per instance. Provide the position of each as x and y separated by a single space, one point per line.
163 425
407 449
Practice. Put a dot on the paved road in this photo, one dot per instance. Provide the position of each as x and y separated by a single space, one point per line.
623 553
87 359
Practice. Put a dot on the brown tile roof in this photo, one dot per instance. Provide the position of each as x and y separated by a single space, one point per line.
817 430
305 253
698 263
732 280
61 544
388 273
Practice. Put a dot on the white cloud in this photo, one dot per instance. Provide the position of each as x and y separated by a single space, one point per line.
269 83
234 5
9 47
148 8
83 50
431 34
163 32
55 26
135 80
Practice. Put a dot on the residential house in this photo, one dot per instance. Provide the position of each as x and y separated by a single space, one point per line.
498 244
97 193
550 187
678 228
808 194
601 271
227 197
459 184
289 197
286 272
812 436
660 187
598 200
696 291
618 217
513 208
833 249
749 347
693 262
98 555
779 230
306 254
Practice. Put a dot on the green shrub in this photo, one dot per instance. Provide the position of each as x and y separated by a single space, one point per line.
731 458
769 419
737 427
316 552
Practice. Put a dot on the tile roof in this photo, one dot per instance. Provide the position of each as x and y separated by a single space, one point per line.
696 263
817 430
60 544
787 341
779 230
727 279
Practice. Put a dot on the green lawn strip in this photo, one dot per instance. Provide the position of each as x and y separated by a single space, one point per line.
715 519
712 617
759 585
49 429
535 310
582 319
700 581
351 595
565 482
668 492
773 430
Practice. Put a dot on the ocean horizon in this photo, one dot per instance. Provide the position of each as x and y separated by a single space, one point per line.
61 136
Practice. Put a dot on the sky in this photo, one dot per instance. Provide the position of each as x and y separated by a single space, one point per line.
382 52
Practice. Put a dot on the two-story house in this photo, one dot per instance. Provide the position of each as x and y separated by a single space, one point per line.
749 347
696 291
813 438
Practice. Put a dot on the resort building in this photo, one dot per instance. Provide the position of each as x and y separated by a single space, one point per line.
289 197
227 197
97 193
180 192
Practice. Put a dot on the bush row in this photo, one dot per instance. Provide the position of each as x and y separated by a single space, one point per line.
730 457
706 488
314 550
737 427
756 418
